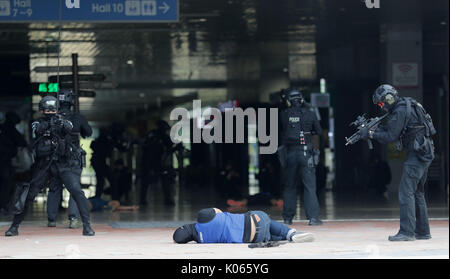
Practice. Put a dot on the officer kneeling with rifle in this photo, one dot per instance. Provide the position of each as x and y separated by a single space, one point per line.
407 124
56 156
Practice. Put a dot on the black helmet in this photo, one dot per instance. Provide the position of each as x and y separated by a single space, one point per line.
185 233
48 104
66 97
385 96
294 97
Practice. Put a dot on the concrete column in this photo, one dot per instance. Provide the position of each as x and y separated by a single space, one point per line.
401 65
401 38
274 63
243 69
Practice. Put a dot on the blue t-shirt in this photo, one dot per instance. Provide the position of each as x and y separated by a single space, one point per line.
223 228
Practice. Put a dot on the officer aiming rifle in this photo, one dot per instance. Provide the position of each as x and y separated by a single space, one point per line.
56 157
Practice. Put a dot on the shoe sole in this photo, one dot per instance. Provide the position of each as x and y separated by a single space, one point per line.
303 237
403 239
74 226
423 237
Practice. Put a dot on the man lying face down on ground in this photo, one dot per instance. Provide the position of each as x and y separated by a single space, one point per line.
215 226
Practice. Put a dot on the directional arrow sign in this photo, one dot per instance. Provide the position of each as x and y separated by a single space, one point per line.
164 7
90 10
69 78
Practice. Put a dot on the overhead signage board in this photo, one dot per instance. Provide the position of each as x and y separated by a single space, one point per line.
89 10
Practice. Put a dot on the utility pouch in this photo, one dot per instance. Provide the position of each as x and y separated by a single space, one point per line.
44 148
425 150
399 145
83 158
316 155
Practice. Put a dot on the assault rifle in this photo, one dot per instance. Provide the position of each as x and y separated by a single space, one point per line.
362 122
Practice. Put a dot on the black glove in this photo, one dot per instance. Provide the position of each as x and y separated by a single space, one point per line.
365 133
67 125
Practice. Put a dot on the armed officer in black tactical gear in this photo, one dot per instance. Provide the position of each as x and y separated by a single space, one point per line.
80 128
298 125
56 156
411 128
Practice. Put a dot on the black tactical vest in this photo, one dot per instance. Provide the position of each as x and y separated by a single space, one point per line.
297 126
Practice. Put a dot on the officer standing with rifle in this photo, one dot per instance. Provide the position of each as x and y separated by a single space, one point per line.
56 156
411 128
80 128
299 123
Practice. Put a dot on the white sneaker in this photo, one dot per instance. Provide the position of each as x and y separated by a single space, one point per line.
300 237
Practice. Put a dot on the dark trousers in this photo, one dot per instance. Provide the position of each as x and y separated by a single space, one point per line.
269 230
296 160
102 171
6 174
69 176
411 195
147 178
54 200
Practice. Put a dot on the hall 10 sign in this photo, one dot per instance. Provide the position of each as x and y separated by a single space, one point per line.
90 10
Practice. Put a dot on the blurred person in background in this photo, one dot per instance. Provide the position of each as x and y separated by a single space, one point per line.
10 141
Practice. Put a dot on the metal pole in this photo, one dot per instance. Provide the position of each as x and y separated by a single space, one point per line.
75 81
59 53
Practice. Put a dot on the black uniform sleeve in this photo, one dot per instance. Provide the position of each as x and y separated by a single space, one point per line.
391 130
85 128
316 125
39 127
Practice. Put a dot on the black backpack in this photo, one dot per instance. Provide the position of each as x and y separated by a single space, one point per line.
424 117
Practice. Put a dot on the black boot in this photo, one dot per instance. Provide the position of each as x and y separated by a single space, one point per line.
51 224
87 230
12 231
423 236
401 237
315 222
73 223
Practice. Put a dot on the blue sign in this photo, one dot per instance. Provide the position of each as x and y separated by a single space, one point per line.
89 10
